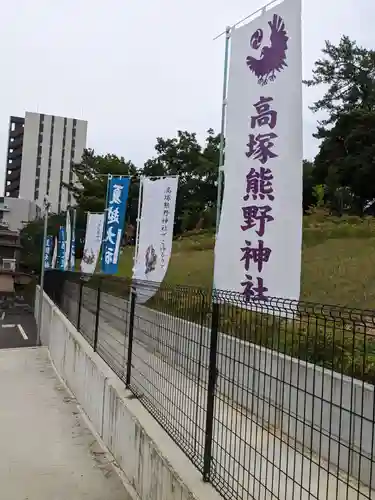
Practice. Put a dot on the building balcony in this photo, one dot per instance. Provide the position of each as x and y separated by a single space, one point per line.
17 143
15 163
13 186
17 119
14 175
17 132
16 153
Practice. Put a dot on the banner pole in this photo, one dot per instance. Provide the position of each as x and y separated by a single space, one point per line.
42 271
222 129
138 221
261 11
109 177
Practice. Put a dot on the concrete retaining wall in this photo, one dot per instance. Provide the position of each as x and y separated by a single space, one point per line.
154 466
328 413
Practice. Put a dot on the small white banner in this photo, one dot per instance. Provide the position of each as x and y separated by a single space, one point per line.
155 234
258 247
93 242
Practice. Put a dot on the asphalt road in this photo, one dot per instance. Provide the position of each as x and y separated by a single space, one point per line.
17 324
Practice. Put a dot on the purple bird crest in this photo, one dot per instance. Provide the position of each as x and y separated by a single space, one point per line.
273 58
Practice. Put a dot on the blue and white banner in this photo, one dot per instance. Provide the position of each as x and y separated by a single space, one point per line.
73 250
61 249
48 252
68 236
114 225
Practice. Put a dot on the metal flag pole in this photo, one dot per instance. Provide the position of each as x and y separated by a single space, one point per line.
47 205
261 10
138 221
222 129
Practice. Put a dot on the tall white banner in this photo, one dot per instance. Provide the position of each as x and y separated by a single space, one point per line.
155 234
258 247
93 242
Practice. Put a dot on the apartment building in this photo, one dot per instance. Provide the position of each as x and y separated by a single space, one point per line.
41 151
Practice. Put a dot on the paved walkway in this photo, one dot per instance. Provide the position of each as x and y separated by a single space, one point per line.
47 452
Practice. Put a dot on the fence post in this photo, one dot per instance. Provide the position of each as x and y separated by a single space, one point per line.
133 297
80 305
97 315
212 376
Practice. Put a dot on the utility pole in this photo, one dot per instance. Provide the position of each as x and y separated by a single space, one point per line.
47 205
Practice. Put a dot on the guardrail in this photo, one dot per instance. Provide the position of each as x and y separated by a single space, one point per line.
275 400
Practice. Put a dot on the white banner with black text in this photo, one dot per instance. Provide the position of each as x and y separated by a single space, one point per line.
258 246
155 234
93 242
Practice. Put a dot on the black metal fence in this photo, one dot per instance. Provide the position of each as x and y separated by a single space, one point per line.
272 401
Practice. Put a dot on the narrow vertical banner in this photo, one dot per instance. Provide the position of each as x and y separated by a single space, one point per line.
72 257
68 236
155 234
114 223
54 255
61 249
48 253
258 246
93 242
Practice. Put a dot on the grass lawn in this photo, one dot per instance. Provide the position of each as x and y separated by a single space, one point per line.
339 270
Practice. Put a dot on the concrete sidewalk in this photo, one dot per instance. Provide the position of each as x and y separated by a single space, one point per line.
47 451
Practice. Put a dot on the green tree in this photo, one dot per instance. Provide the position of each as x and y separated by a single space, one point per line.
346 161
90 188
197 168
309 198
347 72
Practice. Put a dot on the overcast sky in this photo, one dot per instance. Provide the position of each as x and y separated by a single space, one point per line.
142 68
